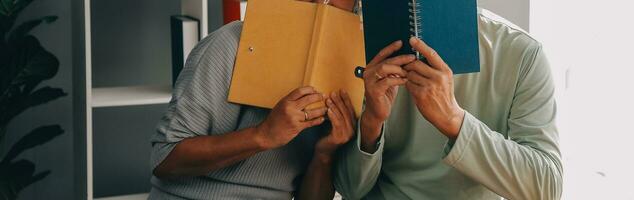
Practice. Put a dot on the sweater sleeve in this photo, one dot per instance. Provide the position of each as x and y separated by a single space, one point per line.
527 165
356 170
199 101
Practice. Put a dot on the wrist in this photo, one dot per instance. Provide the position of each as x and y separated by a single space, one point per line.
369 120
258 134
323 158
452 127
370 132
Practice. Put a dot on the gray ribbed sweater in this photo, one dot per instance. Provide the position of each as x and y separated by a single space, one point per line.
199 107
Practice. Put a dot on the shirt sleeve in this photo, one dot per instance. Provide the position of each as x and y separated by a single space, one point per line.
527 165
199 101
356 170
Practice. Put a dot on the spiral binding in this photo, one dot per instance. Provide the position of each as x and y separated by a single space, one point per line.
415 20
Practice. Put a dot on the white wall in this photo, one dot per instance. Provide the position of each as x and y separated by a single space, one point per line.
591 42
516 11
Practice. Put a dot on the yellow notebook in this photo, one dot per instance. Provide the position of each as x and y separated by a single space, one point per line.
286 44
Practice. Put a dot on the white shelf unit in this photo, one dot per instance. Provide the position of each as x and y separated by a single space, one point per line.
130 96
142 196
87 97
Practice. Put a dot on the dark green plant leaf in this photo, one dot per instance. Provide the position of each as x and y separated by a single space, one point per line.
17 176
13 7
3 133
39 64
19 104
30 64
9 104
4 55
44 95
6 23
6 6
36 137
24 64
19 5
9 10
14 174
7 190
26 27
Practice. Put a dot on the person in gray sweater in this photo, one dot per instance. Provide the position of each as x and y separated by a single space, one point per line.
208 148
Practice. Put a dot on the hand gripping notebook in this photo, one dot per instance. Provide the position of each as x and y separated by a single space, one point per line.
286 44
448 26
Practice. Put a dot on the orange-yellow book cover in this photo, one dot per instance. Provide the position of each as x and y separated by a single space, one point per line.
286 44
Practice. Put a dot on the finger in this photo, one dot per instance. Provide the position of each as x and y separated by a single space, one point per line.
341 107
300 92
313 122
422 69
390 82
430 54
386 70
348 102
417 79
400 60
315 113
386 52
333 114
411 86
309 99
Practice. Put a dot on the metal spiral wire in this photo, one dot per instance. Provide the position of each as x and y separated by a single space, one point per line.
415 20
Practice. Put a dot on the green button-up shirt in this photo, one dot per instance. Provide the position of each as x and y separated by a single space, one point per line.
508 142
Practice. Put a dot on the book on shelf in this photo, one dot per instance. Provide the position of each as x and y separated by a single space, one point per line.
448 26
197 9
243 9
185 36
286 44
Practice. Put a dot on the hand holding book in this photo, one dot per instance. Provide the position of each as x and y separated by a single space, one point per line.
343 120
381 77
431 86
289 117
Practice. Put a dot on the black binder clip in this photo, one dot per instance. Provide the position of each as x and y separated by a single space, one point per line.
358 72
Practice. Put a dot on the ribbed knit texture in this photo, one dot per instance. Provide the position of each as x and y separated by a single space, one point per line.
199 107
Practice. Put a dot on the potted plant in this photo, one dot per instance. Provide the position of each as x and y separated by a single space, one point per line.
24 64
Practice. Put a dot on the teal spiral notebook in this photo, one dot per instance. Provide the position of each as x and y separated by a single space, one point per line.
448 26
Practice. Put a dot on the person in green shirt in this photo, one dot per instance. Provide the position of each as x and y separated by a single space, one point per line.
428 134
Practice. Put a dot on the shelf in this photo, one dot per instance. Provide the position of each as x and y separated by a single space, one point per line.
130 96
142 196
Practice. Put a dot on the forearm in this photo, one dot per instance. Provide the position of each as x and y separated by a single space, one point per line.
370 132
357 171
513 169
317 183
200 155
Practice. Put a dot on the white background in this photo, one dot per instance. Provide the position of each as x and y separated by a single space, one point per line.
589 44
